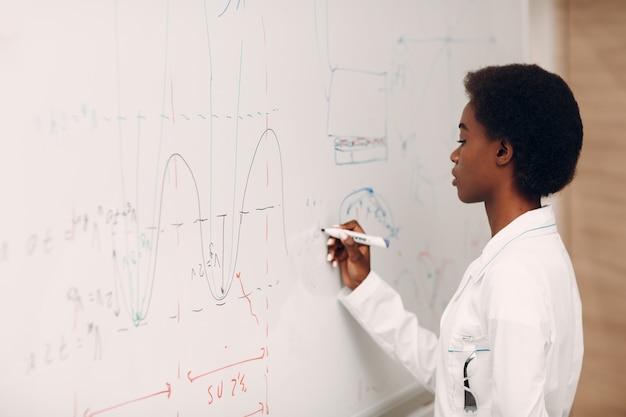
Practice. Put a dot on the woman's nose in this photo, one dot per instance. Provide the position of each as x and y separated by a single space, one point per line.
454 156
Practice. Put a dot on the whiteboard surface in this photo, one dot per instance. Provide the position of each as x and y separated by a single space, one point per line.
167 167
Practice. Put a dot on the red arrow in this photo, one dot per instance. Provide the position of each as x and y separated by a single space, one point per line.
260 410
167 391
193 378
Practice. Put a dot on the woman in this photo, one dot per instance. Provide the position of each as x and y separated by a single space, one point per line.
510 340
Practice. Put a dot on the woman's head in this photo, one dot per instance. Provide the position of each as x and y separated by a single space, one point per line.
535 111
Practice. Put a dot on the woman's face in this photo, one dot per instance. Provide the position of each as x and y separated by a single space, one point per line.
475 169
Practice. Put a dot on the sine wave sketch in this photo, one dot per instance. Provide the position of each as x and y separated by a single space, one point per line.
137 290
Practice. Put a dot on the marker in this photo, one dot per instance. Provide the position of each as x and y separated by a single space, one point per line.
361 238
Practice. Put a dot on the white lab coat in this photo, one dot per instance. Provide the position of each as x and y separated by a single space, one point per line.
517 312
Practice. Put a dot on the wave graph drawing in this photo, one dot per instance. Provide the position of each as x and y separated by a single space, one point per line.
174 220
220 279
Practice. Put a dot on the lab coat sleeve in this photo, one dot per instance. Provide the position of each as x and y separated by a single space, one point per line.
519 334
578 352
378 308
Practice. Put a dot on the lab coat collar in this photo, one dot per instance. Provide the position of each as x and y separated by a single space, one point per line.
537 221
541 220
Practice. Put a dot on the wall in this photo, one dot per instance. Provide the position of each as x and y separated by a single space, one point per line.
596 66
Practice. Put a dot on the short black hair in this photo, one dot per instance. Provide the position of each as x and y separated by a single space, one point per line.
537 112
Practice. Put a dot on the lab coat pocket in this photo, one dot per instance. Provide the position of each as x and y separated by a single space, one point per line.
469 374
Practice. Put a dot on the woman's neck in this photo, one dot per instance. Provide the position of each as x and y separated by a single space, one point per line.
506 209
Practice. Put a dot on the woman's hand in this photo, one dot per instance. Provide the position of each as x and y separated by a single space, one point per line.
352 258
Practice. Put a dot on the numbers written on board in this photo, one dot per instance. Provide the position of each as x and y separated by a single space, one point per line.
236 386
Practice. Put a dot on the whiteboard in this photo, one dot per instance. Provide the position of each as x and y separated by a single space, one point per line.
167 167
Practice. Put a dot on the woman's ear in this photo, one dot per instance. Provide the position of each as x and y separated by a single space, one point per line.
504 152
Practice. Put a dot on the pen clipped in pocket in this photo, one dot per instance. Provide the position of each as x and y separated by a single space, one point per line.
469 373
